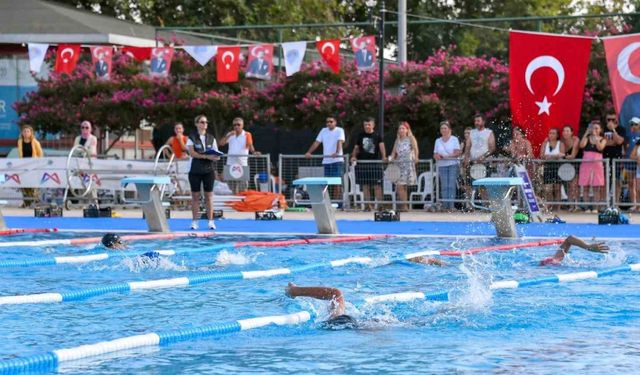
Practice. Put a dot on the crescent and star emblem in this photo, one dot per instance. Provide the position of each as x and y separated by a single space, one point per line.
64 52
545 61
623 63
331 46
224 57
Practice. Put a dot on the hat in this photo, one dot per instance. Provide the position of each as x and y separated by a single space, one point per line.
634 121
109 240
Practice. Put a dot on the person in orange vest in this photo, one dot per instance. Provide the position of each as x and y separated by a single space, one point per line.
178 142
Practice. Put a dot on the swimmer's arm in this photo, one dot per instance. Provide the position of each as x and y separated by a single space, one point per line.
318 292
596 247
428 261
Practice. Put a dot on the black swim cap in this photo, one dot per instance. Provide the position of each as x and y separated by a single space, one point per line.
340 322
109 240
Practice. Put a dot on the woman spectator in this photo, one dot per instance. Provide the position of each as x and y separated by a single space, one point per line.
178 142
572 151
592 168
464 168
446 152
635 155
29 147
405 154
86 139
552 150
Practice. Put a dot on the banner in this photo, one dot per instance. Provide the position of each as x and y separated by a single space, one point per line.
623 62
101 60
228 64
260 61
37 53
293 56
202 54
67 58
138 53
330 52
364 51
547 74
161 61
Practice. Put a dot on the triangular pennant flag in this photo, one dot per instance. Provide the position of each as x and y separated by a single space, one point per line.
364 52
260 61
37 53
138 53
67 58
227 64
330 52
293 56
101 59
202 54
161 61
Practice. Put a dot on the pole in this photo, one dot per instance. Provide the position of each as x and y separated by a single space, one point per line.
402 32
381 72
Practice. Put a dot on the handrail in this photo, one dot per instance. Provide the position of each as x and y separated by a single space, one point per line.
88 187
161 153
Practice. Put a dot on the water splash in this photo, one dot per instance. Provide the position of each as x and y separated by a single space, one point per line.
476 294
142 263
226 258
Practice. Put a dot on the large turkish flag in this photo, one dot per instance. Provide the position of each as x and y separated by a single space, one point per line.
67 58
227 63
623 61
546 82
330 52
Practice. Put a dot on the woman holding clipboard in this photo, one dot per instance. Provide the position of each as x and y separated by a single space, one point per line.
203 151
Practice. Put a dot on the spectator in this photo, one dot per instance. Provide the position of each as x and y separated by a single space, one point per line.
201 173
446 152
369 147
572 151
29 147
332 138
552 150
616 137
592 169
635 155
464 168
405 154
240 143
519 148
86 139
632 166
481 144
178 142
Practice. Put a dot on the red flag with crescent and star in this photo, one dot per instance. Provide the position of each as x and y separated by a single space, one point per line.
138 53
101 60
547 74
228 63
67 58
623 62
330 52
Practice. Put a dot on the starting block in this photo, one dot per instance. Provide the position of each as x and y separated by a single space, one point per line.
323 211
150 191
499 190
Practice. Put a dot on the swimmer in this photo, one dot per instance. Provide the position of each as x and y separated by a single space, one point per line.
338 318
113 241
596 247
428 261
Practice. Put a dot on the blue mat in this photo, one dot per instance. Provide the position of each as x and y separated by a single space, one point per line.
344 226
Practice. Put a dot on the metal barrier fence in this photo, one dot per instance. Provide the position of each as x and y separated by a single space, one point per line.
624 183
231 170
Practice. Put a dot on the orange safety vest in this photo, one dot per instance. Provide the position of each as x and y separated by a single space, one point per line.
175 146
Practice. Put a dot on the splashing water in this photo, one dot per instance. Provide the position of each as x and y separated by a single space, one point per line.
141 263
476 296
225 258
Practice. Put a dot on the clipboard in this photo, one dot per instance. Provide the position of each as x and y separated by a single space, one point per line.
214 152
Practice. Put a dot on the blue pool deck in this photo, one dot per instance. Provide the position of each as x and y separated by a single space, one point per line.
416 225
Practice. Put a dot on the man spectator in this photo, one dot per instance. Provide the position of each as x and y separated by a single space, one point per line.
332 138
240 143
369 147
616 137
86 139
631 166
480 145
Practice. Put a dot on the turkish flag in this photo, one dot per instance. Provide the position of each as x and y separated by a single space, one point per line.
228 63
330 52
547 74
101 60
138 53
67 58
623 61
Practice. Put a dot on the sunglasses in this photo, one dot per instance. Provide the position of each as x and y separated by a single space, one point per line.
612 120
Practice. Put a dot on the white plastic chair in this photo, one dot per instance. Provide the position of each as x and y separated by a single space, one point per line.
425 188
268 186
388 189
353 190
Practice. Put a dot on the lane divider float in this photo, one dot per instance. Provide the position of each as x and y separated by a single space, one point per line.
95 240
9 232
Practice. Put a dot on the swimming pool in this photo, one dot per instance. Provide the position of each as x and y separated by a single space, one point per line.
587 326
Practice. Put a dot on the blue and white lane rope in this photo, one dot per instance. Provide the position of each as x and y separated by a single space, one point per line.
78 259
179 282
51 360
506 284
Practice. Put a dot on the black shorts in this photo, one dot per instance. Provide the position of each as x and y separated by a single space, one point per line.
369 173
551 173
198 179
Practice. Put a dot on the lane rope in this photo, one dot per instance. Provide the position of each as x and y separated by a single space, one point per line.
10 232
95 240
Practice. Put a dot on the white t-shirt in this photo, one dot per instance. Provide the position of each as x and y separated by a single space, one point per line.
329 140
203 139
446 150
238 145
479 143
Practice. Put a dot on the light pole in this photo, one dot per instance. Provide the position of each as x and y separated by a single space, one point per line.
371 4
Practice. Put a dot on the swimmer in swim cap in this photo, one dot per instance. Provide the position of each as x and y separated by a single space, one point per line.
338 319
556 259
113 241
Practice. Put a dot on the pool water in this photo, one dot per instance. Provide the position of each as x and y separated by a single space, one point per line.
590 326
